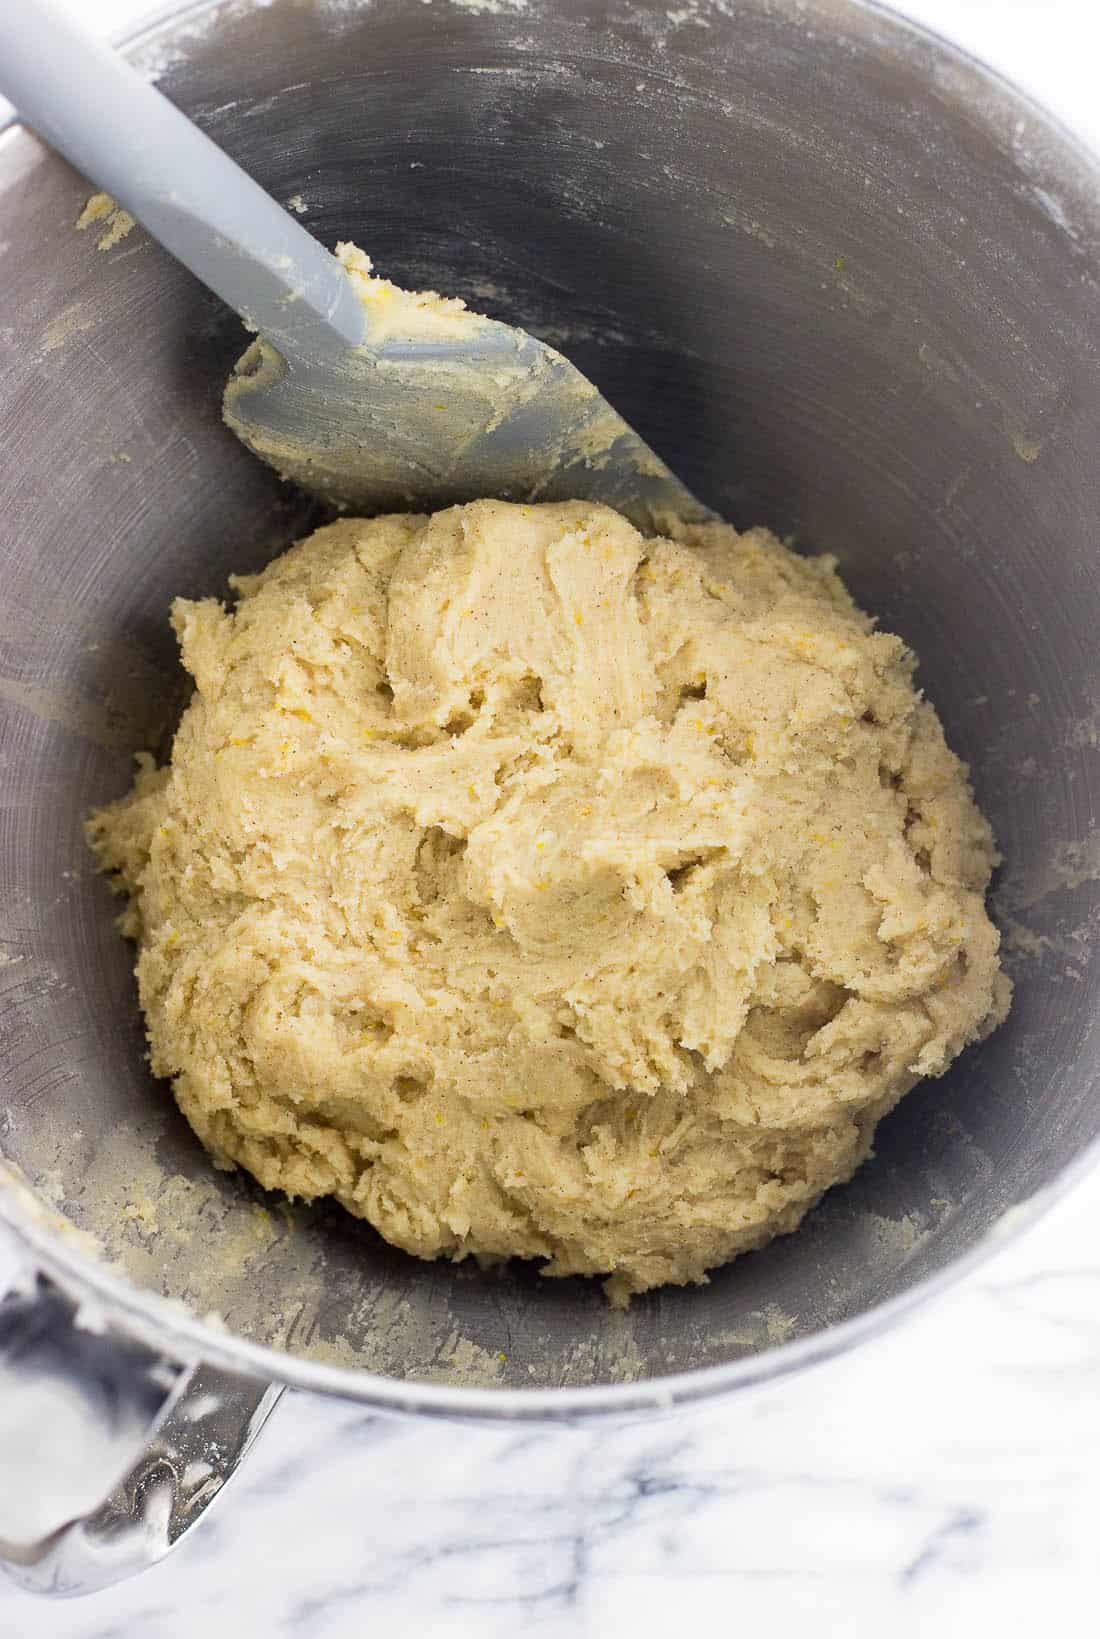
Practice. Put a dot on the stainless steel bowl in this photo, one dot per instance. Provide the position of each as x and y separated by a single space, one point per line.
845 280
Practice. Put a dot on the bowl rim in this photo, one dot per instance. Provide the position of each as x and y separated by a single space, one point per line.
1060 156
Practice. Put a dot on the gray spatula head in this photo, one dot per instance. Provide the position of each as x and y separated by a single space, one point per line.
373 398
439 405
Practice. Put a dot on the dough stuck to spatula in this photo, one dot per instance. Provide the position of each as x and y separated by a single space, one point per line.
537 889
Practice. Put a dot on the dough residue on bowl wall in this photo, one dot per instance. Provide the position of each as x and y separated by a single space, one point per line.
114 223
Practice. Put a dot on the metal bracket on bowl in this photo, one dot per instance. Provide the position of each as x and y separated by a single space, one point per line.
109 1451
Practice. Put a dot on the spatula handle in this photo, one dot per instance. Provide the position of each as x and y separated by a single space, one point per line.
134 144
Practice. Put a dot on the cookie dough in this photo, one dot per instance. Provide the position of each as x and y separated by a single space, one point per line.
534 888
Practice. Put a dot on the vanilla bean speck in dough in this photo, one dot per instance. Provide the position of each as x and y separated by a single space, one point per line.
534 888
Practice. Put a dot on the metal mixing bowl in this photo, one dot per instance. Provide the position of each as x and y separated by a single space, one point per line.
845 281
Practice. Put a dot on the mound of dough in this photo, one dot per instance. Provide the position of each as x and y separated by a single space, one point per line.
534 888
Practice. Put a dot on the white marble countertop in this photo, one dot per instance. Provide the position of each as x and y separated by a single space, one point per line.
942 1479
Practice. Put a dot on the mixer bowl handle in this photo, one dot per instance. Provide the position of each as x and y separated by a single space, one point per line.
109 1451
